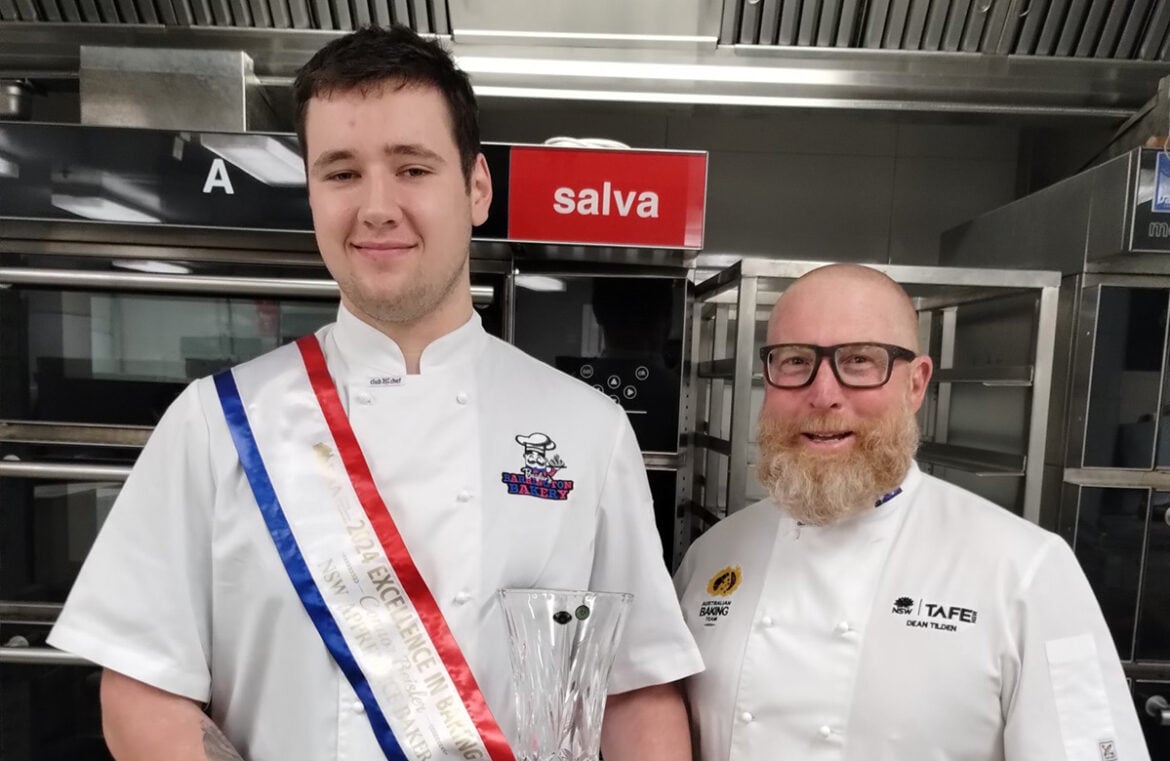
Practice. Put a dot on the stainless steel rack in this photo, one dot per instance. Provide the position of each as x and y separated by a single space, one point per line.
724 386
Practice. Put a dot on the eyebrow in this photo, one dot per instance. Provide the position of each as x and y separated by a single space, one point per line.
410 150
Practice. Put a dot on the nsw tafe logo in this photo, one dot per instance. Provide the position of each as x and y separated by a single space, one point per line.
933 615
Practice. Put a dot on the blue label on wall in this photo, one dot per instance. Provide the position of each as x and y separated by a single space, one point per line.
1162 184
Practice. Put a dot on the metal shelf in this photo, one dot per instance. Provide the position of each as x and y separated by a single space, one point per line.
1019 376
40 656
56 471
731 300
980 462
79 434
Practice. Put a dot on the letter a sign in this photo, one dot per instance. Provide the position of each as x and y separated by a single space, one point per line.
217 177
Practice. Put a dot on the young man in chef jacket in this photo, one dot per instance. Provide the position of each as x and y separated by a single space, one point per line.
868 611
304 563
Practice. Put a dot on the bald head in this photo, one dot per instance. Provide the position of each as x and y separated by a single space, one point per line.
844 303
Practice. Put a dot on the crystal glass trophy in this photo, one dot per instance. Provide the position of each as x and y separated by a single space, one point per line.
562 647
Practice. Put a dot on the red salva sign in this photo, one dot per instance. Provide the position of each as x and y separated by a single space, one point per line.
607 197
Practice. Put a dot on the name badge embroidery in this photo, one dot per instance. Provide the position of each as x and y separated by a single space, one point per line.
538 477
934 616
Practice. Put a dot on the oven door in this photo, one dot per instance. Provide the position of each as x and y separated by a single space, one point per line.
92 351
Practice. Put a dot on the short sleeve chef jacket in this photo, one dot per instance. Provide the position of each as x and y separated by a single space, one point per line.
936 627
184 590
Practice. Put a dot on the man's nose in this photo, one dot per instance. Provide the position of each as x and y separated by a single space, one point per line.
825 392
380 203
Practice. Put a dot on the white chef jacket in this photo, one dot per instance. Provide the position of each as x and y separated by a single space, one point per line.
937 626
184 589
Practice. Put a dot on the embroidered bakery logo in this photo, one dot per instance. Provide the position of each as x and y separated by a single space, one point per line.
933 615
538 477
1108 750
722 584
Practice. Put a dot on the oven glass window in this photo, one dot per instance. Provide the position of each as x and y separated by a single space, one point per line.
1128 355
1111 525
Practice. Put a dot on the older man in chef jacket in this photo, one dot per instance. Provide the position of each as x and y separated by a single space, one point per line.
868 611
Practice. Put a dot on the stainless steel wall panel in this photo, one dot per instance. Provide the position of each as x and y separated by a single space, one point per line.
147 11
877 11
728 26
1030 33
916 24
422 16
299 15
1094 23
1111 31
442 21
936 22
850 20
1131 32
810 15
1071 32
829 23
749 23
242 12
8 11
280 15
789 22
135 87
956 20
977 17
896 24
1155 32
400 9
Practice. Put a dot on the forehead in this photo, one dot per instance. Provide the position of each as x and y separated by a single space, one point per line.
838 310
386 113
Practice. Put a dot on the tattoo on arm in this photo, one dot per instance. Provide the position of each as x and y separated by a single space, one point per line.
216 746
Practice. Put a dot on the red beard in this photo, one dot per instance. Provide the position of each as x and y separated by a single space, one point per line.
823 488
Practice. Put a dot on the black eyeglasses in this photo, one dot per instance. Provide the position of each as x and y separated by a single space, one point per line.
856 365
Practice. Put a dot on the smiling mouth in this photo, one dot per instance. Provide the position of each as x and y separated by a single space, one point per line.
827 437
383 246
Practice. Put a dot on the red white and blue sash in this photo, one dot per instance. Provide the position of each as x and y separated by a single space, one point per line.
348 563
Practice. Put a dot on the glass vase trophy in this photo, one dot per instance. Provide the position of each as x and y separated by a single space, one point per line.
562 647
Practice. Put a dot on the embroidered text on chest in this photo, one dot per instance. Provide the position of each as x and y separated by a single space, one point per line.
935 616
537 478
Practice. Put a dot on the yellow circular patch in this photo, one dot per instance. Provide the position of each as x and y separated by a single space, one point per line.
724 582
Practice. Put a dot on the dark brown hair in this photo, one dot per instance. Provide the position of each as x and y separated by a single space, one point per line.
374 57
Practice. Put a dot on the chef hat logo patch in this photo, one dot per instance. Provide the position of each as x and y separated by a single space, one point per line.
538 476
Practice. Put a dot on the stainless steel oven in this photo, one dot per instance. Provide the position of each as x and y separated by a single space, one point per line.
96 339
130 265
1107 461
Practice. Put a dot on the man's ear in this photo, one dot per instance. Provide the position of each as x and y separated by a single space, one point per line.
480 190
921 368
